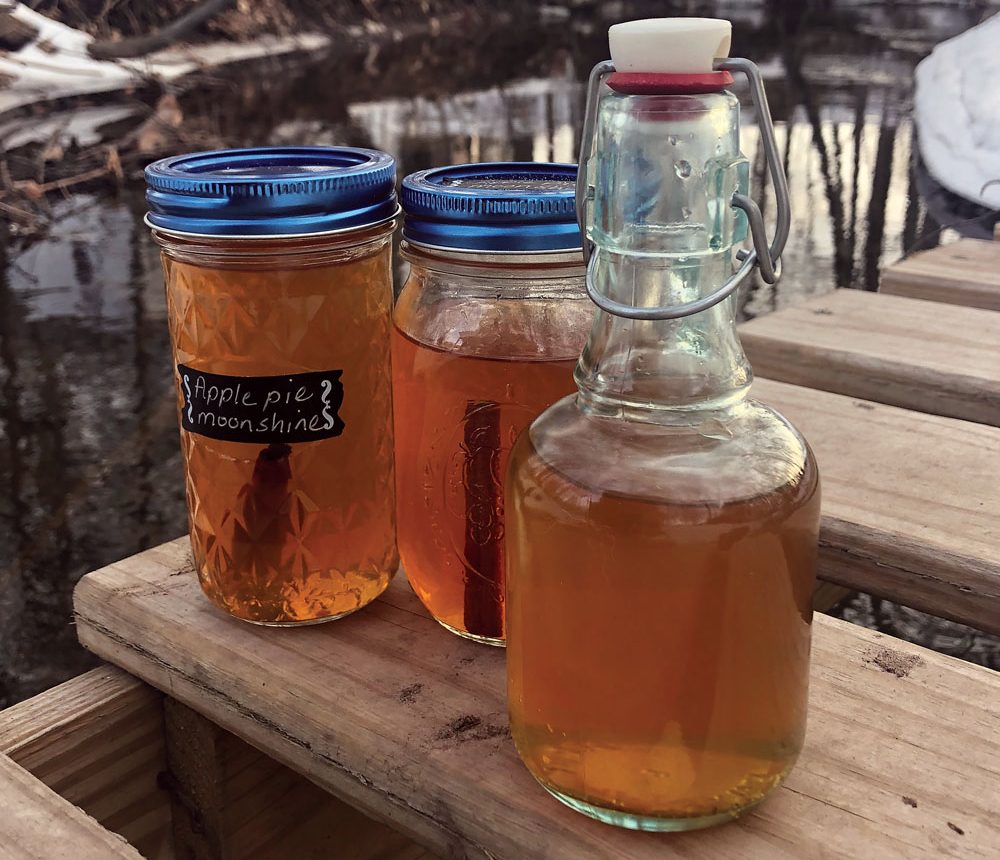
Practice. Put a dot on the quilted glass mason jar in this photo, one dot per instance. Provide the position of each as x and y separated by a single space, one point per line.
278 281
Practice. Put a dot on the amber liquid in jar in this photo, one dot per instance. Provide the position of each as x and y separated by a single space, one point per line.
457 418
302 532
668 682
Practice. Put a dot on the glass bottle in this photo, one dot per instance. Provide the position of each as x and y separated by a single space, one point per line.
487 329
661 525
279 294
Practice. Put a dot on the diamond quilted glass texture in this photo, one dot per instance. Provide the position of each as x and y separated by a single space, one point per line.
302 532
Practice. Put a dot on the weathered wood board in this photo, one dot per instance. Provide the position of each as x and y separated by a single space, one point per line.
910 501
174 784
408 723
98 741
38 824
926 356
966 272
232 802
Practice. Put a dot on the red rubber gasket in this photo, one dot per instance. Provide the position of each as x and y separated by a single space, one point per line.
656 83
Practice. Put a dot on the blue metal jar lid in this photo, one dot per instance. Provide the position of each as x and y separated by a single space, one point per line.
501 206
271 191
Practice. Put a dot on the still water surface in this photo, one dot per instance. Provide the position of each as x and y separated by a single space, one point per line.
89 449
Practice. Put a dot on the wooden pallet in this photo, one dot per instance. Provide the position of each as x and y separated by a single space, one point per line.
408 723
38 824
928 357
98 742
105 754
966 272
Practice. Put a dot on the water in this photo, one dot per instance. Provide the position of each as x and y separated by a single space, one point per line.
88 447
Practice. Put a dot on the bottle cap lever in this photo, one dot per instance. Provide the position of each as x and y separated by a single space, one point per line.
763 256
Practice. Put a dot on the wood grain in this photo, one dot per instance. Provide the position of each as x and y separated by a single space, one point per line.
910 501
408 723
232 801
97 740
941 359
966 272
38 824
102 742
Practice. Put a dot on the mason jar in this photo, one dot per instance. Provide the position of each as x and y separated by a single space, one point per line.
278 281
486 332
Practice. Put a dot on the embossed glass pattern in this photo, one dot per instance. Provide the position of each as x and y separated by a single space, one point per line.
300 532
481 344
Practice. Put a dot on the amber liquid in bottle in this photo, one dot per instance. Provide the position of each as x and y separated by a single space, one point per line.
457 418
669 679
287 534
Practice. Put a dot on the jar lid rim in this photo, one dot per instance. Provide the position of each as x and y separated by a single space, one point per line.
247 237
515 206
278 190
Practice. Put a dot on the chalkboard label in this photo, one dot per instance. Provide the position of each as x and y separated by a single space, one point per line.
300 407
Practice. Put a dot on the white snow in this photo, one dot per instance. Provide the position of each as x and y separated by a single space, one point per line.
82 125
958 113
56 63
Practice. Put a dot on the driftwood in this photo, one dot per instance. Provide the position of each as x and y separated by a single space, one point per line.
138 46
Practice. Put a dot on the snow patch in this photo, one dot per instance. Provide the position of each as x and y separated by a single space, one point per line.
56 63
958 114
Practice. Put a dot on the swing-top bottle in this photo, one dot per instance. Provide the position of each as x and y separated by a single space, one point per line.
661 524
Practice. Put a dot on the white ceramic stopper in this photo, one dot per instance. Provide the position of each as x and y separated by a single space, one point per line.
679 46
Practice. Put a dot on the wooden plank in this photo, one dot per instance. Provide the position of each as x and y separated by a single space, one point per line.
909 501
38 824
232 801
97 741
926 356
966 272
407 722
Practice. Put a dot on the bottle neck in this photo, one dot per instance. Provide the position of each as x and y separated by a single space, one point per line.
663 371
662 178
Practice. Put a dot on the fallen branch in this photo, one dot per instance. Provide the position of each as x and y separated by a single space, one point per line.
139 46
18 214
37 190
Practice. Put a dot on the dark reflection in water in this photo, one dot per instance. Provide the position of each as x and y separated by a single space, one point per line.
89 450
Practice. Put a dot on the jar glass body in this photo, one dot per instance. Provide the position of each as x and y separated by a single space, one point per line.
286 532
661 526
482 342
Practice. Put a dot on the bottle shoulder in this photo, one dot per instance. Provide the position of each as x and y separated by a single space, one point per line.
731 455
